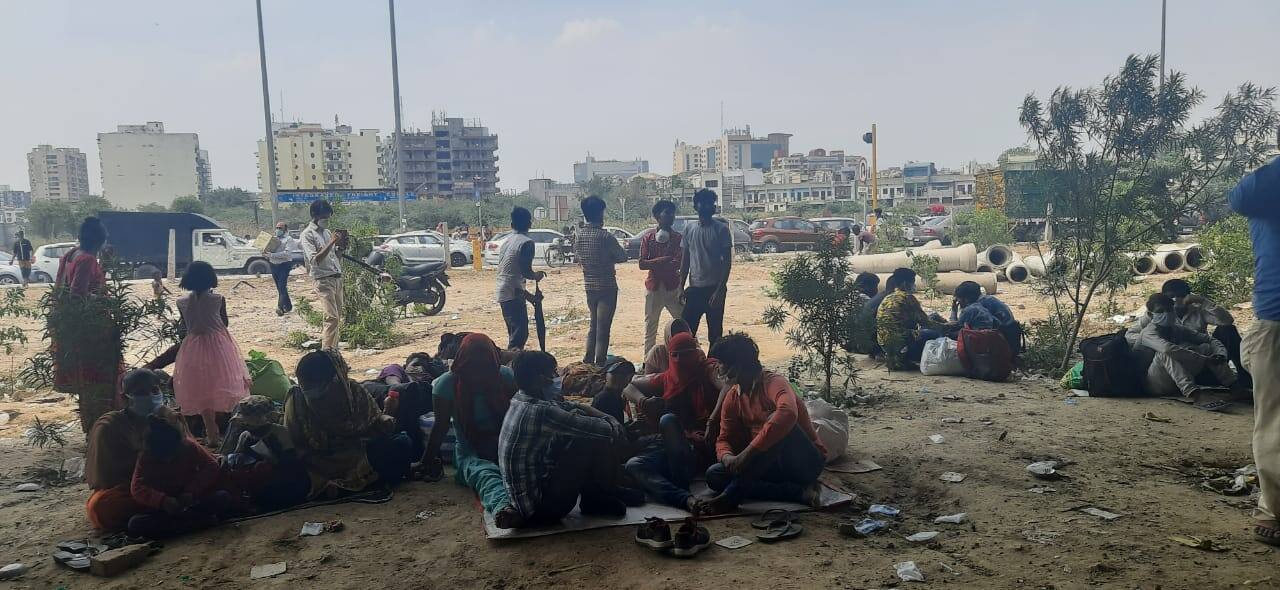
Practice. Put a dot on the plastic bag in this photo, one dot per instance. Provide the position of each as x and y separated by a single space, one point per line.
832 426
269 378
1074 378
941 357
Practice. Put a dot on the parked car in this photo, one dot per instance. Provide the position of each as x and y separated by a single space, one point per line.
623 236
10 274
776 234
834 224
47 257
738 229
542 239
941 228
417 247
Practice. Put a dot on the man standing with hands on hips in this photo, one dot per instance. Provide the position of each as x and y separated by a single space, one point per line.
281 259
321 250
705 265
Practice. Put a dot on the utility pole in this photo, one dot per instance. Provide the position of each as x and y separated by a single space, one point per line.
1164 6
395 95
872 138
270 156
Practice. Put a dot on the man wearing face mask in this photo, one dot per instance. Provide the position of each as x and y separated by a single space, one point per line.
320 251
281 260
1180 353
115 441
661 255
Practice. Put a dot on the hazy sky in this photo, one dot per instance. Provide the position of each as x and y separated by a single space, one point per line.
557 79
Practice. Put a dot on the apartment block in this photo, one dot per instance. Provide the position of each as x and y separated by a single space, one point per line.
14 198
688 157
457 158
310 157
143 164
736 149
591 168
923 184
58 173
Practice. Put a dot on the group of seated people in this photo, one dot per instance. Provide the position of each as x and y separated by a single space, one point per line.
892 325
1182 358
530 455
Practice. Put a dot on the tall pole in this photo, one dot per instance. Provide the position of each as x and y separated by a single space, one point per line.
1164 5
270 156
875 174
395 92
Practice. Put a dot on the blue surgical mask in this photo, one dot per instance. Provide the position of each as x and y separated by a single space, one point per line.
1162 319
322 223
145 405
279 233
553 391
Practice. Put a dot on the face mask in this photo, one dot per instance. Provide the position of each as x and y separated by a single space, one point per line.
322 223
553 391
1162 319
145 405
663 236
279 233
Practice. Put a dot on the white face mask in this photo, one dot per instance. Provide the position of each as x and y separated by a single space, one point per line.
322 223
663 236
1162 319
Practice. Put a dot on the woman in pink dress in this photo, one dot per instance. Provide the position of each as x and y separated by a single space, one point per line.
210 376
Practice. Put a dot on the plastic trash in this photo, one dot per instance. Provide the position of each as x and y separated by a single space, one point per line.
908 572
922 537
1044 469
936 439
869 525
311 529
267 570
952 476
952 518
884 509
953 420
28 487
1100 513
4 418
73 468
13 571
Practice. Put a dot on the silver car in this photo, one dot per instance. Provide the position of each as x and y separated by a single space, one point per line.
417 247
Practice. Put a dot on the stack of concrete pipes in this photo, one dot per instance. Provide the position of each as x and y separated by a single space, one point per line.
1003 261
1169 258
955 265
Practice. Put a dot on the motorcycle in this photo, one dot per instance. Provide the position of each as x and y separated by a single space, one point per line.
419 283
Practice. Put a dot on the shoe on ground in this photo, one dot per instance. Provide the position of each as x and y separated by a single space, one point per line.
690 539
655 534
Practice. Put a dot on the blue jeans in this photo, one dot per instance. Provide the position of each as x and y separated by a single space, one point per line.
665 470
516 314
280 275
779 474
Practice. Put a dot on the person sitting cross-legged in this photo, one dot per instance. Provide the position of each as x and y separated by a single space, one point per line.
552 452
176 482
768 448
902 326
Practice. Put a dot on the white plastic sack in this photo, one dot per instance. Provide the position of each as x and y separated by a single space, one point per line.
832 426
941 357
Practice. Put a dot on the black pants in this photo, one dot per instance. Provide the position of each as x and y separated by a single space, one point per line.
697 304
205 513
585 468
280 275
516 314
602 304
1229 336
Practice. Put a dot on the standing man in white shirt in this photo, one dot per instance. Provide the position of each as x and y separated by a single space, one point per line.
320 250
281 260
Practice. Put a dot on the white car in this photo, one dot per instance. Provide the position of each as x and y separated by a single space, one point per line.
542 239
10 274
622 235
45 266
417 247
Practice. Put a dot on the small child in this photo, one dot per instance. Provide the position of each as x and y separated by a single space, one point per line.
210 376
157 285
176 480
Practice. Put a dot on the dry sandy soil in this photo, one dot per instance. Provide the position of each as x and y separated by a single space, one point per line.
1142 469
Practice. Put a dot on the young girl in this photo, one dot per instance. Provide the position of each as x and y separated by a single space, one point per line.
210 376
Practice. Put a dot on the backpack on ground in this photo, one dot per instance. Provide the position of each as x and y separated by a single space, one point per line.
1014 335
986 354
1111 368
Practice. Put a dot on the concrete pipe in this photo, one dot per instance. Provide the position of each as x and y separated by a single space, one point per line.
948 281
962 258
1038 266
1017 272
929 245
1143 264
1169 261
998 255
1195 258
985 267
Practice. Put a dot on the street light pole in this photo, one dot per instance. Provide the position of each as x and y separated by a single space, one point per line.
270 156
395 92
1164 6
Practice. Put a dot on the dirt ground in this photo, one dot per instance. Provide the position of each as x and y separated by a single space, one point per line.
430 535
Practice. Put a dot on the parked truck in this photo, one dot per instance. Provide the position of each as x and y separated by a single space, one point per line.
141 240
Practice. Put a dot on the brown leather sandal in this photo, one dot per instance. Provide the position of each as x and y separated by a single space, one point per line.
1266 534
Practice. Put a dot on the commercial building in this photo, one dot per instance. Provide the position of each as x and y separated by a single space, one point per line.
142 164
922 184
311 157
687 158
736 149
58 173
617 169
560 198
13 198
456 158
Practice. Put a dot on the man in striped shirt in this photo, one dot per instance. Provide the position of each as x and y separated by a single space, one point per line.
598 251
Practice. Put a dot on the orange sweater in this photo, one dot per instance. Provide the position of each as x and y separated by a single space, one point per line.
762 417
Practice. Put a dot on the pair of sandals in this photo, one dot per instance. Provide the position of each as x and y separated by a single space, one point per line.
776 525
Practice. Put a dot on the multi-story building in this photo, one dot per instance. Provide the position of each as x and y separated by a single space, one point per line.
310 157
14 199
142 164
591 168
560 198
923 184
58 173
739 149
687 158
456 158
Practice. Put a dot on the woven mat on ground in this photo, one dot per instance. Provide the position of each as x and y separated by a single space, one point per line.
576 521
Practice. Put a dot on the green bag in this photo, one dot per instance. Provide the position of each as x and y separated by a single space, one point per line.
269 378
1074 379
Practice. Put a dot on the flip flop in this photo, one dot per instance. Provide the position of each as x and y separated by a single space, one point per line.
778 531
774 515
1214 406
1266 534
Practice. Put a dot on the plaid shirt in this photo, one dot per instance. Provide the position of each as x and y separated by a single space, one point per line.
598 251
533 433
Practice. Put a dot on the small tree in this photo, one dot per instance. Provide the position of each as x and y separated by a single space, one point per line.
187 204
984 227
1229 278
1123 161
816 290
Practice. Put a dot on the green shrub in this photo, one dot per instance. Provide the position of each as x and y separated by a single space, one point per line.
984 228
1229 278
1048 341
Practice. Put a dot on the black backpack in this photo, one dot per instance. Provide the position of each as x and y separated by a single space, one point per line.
1111 369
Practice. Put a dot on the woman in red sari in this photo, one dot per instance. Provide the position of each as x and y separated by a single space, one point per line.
87 362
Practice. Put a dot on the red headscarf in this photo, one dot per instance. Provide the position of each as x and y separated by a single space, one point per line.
477 375
687 382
